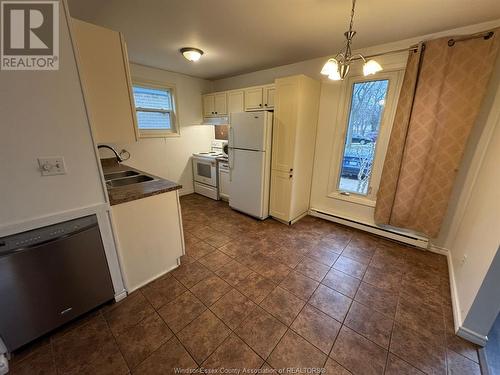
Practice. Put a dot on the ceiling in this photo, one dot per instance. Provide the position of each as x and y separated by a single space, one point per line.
240 36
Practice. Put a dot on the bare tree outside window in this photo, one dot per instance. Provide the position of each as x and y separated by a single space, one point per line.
365 115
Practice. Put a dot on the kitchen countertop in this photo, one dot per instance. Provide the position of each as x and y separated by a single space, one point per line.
127 193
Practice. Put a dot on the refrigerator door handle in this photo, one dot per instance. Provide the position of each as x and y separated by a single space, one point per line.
230 136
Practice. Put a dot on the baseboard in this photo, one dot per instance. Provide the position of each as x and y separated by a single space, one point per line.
410 240
472 336
185 192
120 296
439 250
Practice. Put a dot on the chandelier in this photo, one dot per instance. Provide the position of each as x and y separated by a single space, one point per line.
336 68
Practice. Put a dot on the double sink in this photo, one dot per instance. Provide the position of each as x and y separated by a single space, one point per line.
124 178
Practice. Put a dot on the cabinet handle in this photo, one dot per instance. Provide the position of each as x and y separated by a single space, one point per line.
265 105
291 169
260 105
215 112
291 175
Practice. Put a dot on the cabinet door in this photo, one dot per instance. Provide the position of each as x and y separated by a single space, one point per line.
269 97
107 83
208 105
253 99
235 101
224 184
281 191
220 103
285 124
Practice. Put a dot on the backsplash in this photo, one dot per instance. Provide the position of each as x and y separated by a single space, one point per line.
221 131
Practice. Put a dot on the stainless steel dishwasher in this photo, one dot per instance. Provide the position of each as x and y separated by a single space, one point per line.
49 276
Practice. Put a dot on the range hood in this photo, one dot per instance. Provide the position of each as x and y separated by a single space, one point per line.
220 120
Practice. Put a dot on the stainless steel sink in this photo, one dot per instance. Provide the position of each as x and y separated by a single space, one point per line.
114 175
129 181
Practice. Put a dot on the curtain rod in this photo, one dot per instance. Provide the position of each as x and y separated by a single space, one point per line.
451 42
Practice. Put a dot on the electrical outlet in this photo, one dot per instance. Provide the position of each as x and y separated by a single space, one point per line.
52 166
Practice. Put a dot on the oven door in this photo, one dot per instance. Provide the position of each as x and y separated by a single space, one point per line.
205 171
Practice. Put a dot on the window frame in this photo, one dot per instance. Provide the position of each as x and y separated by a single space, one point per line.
395 78
174 131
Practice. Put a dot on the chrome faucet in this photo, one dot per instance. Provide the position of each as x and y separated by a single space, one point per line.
117 155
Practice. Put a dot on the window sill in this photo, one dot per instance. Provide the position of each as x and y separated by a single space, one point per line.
158 134
353 198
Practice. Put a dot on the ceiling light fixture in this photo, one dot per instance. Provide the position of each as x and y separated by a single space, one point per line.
191 54
336 68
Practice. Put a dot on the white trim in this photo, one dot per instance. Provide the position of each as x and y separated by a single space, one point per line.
438 250
120 296
472 336
293 221
414 240
183 192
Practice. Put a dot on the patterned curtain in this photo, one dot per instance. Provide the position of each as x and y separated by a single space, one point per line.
441 95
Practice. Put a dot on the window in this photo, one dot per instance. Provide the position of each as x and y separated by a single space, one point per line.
155 109
363 127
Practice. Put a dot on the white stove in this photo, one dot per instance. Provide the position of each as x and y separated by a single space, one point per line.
205 169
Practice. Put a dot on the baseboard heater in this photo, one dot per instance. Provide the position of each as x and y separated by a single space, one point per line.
409 239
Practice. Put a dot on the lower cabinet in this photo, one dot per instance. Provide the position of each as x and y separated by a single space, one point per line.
149 237
281 192
224 183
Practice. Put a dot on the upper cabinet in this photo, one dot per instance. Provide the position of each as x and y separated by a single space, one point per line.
255 98
215 104
236 101
106 82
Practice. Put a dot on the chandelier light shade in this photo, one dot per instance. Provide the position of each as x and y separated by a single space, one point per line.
191 54
337 68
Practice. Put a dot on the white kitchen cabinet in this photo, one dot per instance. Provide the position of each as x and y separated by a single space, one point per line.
294 138
215 104
208 105
236 101
149 237
253 98
268 92
106 82
224 181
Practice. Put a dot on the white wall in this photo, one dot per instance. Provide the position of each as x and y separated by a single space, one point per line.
170 157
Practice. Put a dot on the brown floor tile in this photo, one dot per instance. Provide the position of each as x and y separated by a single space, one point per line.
334 368
316 327
138 342
288 257
215 260
341 282
369 323
331 302
204 232
162 290
199 249
190 274
218 239
381 300
357 354
261 331
337 241
302 286
383 278
128 312
89 349
283 305
232 308
419 318
323 256
181 311
233 272
273 270
255 287
39 362
459 365
461 346
312 269
166 359
418 350
428 295
237 248
350 267
396 366
233 354
210 289
295 352
203 335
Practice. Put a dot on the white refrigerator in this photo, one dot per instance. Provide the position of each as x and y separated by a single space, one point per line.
250 138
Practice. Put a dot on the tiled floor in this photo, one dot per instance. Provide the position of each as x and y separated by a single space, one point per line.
260 294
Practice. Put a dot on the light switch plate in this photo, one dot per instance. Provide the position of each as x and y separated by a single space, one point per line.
52 166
